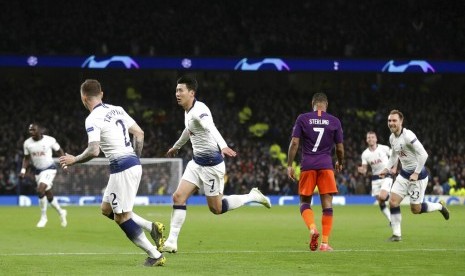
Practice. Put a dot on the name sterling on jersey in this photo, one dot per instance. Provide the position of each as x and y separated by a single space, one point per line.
318 122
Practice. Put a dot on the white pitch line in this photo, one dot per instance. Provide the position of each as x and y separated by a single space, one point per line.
236 252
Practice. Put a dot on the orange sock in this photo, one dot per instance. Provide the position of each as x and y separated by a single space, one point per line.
307 214
327 224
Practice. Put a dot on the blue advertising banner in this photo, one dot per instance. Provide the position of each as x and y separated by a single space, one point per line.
235 64
200 200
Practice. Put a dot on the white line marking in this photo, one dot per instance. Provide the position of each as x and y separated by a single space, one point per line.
236 252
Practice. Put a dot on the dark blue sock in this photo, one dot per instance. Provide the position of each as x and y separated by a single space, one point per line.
395 210
131 229
182 207
224 206
424 208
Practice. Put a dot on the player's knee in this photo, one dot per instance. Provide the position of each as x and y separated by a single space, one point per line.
107 211
215 210
108 214
416 209
177 198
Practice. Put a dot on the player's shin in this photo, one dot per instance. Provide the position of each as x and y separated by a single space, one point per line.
428 207
135 233
327 224
43 205
396 219
145 224
178 216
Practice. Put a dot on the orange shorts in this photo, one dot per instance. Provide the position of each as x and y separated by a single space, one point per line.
323 179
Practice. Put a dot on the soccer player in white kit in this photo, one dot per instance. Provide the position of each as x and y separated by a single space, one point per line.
108 128
413 177
38 150
207 169
376 156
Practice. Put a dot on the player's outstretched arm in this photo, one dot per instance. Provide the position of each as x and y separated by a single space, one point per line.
228 152
172 152
92 151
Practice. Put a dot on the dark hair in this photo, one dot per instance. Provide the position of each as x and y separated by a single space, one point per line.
38 126
395 111
91 87
189 81
319 98
35 123
371 132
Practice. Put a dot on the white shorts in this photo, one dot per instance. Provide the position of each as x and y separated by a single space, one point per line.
122 189
380 184
46 177
414 189
211 178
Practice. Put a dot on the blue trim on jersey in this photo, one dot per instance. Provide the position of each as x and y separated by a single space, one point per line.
51 167
100 104
208 161
376 177
123 163
422 175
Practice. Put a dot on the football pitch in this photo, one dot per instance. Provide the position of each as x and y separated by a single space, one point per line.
248 241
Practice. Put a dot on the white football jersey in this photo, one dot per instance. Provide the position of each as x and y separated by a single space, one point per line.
41 151
377 159
206 140
109 125
408 149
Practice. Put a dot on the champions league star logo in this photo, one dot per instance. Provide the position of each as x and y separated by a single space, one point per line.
127 61
277 63
411 66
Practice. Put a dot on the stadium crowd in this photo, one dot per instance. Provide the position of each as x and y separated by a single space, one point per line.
363 29
255 114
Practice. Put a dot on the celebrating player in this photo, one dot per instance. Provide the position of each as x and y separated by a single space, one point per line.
413 177
108 128
207 169
376 156
318 132
38 149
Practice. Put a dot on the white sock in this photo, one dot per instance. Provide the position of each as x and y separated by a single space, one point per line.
43 206
145 224
55 205
236 201
433 206
178 216
142 242
396 220
387 213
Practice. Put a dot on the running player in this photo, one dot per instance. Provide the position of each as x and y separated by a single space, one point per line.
413 177
108 128
207 169
376 156
38 150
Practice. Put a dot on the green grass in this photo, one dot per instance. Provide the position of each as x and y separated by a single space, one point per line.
251 240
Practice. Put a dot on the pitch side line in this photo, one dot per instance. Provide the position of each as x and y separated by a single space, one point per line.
236 252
